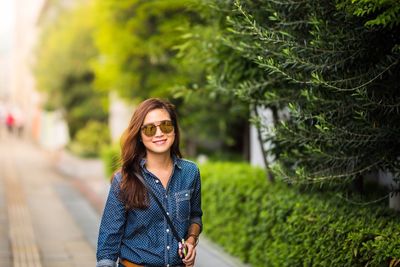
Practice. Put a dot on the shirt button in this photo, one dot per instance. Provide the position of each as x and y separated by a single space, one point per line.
167 230
157 181
167 265
166 196
167 213
168 247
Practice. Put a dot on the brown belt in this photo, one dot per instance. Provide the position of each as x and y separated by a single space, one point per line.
127 263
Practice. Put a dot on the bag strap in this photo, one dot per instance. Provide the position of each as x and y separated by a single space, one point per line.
171 225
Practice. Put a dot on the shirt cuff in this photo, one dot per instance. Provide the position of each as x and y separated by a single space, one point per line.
106 263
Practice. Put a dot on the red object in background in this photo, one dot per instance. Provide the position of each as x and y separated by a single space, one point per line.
10 121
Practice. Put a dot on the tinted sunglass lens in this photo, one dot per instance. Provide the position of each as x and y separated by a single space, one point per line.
166 127
150 130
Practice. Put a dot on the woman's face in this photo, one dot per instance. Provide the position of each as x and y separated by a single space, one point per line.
160 142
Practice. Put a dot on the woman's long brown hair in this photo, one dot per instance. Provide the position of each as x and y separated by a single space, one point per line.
133 193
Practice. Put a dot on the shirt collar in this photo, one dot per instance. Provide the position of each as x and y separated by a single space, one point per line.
176 161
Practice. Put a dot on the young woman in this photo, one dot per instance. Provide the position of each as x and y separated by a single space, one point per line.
133 229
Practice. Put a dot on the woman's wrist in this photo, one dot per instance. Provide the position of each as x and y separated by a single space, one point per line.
192 239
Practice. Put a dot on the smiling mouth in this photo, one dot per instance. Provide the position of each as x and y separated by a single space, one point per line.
160 142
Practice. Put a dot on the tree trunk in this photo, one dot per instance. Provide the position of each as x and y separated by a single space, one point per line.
394 202
191 148
270 175
246 143
358 184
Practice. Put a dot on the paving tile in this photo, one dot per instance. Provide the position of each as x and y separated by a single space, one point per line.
56 229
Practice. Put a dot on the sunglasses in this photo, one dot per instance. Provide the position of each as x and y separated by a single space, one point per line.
151 128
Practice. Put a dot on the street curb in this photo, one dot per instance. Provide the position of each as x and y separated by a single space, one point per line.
65 158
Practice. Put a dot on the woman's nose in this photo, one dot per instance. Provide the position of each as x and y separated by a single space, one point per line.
158 131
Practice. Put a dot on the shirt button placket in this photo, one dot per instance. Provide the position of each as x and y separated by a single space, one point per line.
166 202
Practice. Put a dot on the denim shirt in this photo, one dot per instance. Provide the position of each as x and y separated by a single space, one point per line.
144 236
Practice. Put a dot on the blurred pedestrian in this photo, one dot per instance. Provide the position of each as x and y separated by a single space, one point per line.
19 121
153 214
10 122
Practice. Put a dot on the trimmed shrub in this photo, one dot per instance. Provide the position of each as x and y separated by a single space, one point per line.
268 224
90 140
111 156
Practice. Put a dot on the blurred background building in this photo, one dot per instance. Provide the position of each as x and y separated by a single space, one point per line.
6 38
18 37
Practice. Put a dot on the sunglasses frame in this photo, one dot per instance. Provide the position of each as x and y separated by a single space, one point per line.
161 125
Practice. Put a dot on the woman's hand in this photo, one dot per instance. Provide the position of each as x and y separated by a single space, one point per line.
190 256
190 246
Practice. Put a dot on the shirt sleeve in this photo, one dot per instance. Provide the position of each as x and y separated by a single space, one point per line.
196 211
111 226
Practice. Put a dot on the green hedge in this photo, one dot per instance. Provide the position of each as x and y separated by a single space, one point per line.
90 140
268 224
110 156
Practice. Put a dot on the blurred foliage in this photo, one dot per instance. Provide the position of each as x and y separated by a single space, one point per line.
90 139
62 67
337 76
216 118
163 49
136 39
111 157
267 224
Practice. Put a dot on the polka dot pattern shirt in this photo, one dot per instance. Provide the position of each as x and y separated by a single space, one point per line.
144 236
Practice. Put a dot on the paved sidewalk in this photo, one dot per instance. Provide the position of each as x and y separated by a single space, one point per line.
37 229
